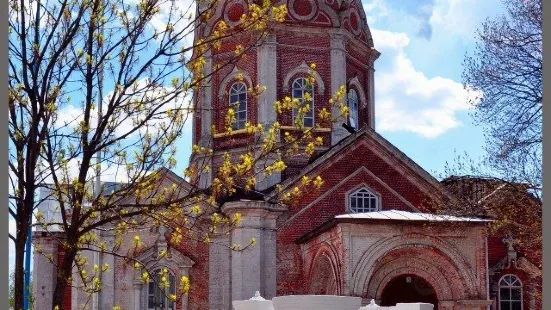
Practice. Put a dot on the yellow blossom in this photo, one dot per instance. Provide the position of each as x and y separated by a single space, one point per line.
137 241
324 114
196 209
239 49
184 284
310 148
318 182
215 217
236 218
145 277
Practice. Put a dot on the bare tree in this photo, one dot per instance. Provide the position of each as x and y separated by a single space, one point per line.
507 68
506 185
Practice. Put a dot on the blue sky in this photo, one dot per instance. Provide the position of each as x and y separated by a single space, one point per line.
419 99
420 103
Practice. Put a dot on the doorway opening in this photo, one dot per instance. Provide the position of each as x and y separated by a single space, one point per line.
408 288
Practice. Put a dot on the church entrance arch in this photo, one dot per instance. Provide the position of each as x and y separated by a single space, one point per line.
408 288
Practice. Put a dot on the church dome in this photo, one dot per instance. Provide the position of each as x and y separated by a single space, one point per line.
346 14
349 15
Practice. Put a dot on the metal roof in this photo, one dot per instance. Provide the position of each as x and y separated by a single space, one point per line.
408 216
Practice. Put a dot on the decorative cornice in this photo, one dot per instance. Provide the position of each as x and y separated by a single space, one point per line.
293 128
233 132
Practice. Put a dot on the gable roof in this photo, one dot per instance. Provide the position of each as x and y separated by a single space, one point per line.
437 191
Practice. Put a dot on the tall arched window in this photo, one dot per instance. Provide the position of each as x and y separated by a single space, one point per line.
363 200
161 285
300 88
238 101
510 293
353 108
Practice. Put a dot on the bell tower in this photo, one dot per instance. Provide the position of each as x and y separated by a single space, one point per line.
332 34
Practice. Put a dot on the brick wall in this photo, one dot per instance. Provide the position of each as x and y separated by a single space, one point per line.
529 292
199 274
336 169
532 285
293 49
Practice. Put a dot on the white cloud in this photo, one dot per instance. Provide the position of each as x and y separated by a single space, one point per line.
408 100
109 172
180 13
375 10
70 116
389 40
462 17
29 7
113 172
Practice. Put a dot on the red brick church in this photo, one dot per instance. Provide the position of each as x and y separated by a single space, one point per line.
368 232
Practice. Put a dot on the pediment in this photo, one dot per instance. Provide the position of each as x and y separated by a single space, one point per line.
367 151
173 259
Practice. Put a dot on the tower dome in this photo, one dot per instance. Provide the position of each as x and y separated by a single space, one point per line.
333 34
347 15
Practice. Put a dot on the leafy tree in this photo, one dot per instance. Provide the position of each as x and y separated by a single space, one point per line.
507 68
64 128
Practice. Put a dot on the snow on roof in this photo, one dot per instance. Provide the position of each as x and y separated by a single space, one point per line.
407 216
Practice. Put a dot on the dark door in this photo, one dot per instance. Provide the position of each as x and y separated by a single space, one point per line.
408 288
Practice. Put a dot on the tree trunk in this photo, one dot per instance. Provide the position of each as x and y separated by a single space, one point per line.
64 271
19 277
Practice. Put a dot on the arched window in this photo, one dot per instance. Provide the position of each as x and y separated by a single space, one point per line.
300 88
161 285
353 108
363 200
510 293
238 101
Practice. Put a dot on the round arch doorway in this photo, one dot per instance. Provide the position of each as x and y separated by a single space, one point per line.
408 288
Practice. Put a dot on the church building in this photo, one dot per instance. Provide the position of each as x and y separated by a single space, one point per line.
370 231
